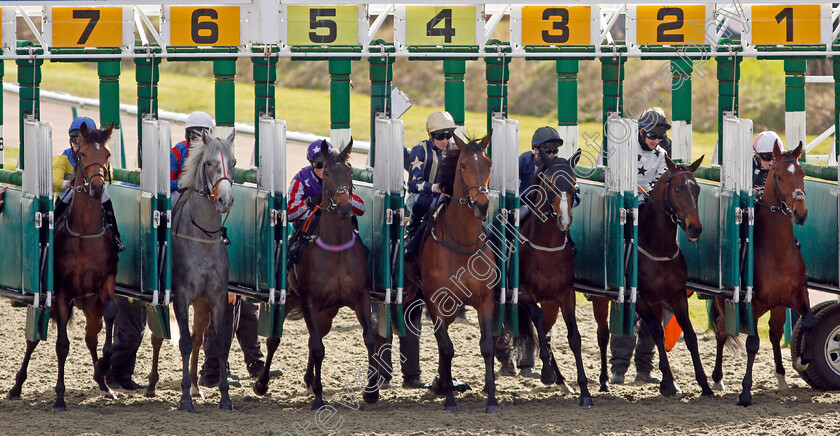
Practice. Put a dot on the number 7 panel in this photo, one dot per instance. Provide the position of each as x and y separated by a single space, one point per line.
89 26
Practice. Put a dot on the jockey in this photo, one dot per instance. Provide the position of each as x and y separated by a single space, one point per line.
424 163
547 139
64 176
306 187
198 122
653 127
763 158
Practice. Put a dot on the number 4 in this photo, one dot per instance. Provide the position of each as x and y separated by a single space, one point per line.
447 32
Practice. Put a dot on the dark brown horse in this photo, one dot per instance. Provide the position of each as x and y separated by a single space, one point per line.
85 266
663 272
548 266
779 270
331 274
456 264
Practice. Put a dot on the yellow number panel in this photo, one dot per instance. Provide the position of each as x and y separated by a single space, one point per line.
323 25
670 25
192 26
556 25
783 24
87 27
438 25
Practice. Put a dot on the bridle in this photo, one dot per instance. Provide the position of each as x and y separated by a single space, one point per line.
86 182
782 208
331 203
468 199
210 192
552 192
676 218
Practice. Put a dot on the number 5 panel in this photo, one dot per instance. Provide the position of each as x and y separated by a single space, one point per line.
323 25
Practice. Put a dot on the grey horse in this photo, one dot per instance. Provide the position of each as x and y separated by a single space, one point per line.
200 262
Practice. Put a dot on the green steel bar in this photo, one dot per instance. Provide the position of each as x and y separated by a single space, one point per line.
340 93
612 74
265 74
795 88
147 75
11 177
109 98
29 78
225 71
363 175
127 176
681 70
728 74
589 173
454 71
836 69
708 173
244 175
381 75
497 73
567 91
819 171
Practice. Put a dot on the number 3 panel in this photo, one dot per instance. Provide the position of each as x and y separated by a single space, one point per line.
89 26
674 26
554 25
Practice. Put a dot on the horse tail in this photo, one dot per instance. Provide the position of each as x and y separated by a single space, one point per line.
526 342
734 345
295 314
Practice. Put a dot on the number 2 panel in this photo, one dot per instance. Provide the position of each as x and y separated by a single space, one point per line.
670 25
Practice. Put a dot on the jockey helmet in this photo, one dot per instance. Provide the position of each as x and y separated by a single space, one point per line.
314 150
546 136
654 120
77 124
199 119
440 120
765 141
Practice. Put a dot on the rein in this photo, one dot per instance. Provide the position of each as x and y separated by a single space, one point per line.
783 207
456 249
468 199
209 233
659 258
547 249
675 217
85 187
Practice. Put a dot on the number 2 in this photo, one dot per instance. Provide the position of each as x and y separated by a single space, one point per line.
787 15
562 25
447 31
92 16
661 36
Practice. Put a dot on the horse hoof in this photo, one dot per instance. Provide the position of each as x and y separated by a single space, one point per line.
781 385
490 408
149 393
506 371
452 409
667 389
586 402
371 397
109 393
226 406
745 399
604 388
317 404
13 394
707 392
260 388
186 406
799 366
565 388
61 408
547 376
718 386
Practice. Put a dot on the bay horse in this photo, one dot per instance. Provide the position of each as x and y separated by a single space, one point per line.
85 267
548 270
779 271
458 242
201 265
331 274
662 269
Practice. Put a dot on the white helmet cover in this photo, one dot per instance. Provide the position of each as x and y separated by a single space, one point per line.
765 141
199 119
441 120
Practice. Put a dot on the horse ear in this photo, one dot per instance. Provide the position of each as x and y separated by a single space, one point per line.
231 137
575 158
696 164
797 151
325 149
345 154
545 159
777 151
672 167
83 129
459 142
109 130
485 141
205 137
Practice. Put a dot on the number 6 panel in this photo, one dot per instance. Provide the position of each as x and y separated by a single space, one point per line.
192 26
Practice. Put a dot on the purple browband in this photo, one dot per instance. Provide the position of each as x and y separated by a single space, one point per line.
336 248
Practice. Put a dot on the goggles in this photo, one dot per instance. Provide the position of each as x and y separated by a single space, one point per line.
317 164
442 135
656 136
766 157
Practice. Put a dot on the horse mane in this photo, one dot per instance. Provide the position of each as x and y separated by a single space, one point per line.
98 136
196 157
449 165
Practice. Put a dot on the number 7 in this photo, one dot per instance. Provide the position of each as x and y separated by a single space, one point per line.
93 16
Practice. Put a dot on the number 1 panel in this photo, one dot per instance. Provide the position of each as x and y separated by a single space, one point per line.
786 24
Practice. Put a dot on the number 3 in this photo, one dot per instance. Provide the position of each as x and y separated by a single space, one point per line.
562 25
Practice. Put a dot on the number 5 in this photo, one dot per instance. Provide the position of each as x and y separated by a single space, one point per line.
315 24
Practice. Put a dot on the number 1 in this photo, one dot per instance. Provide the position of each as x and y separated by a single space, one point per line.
93 16
786 14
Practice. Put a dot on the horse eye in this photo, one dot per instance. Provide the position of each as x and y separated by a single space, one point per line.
677 190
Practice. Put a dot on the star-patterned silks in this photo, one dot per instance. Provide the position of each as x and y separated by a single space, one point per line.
420 186
639 158
656 151
416 163
642 171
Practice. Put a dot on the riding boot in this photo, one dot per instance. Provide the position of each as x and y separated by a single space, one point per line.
111 221
60 209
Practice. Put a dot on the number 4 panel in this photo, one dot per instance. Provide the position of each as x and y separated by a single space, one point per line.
438 25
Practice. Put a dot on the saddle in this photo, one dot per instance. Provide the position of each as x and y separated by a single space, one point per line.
424 229
302 237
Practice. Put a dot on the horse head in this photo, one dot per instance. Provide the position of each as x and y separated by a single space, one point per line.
337 187
681 193
557 180
472 174
216 171
92 158
788 183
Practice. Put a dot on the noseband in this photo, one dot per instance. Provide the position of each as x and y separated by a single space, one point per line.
468 200
783 207
676 218
85 187
331 204
207 191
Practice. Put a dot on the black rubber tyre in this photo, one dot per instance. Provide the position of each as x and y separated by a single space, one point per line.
796 337
824 370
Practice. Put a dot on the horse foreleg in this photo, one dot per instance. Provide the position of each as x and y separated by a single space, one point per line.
801 362
62 348
185 345
446 351
600 307
371 391
153 374
568 308
14 393
487 345
103 365
224 327
547 374
316 352
261 385
551 309
722 337
679 306
778 316
201 320
745 399
667 387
